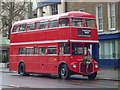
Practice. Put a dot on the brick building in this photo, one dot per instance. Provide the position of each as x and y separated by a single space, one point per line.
108 23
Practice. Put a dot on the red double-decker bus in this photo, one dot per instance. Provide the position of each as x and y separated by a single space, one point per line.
58 44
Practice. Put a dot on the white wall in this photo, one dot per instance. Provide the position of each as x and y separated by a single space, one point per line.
39 12
47 9
61 7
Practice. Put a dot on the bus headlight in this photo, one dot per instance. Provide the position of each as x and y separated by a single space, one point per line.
96 66
74 65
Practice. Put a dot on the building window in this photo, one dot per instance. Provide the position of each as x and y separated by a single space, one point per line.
99 18
111 16
54 9
107 49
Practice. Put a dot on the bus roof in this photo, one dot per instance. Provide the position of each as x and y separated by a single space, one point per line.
68 14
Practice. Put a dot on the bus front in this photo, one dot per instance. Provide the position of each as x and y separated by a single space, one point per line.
83 36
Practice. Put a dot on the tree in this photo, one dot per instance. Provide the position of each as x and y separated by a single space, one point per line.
12 11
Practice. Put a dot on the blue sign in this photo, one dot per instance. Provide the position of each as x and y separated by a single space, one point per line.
42 3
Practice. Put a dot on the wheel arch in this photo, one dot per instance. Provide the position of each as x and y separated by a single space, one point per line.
19 66
61 65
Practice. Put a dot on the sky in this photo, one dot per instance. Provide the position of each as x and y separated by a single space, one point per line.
34 4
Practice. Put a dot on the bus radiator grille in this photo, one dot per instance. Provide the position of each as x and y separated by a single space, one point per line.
86 68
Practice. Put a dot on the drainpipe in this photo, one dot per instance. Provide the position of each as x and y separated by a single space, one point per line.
66 6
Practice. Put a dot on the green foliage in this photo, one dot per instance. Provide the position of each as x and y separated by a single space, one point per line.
86 59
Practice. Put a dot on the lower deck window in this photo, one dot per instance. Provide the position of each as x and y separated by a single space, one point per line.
22 50
64 48
80 49
29 50
43 50
36 50
52 50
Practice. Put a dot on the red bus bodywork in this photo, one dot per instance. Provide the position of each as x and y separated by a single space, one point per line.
53 37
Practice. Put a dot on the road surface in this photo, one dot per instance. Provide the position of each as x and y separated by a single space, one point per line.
13 80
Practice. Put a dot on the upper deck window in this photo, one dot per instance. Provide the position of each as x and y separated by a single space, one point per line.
76 22
43 25
31 26
22 28
90 23
16 29
37 25
64 22
53 23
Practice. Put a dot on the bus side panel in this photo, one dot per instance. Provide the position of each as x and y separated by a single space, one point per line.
40 64
13 63
34 36
65 33
53 64
13 58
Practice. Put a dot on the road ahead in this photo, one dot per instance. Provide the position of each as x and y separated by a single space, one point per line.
13 80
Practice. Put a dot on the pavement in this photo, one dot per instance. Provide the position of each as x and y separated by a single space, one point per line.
109 73
103 73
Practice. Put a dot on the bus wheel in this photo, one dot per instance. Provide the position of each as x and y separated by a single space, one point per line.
64 72
92 76
22 70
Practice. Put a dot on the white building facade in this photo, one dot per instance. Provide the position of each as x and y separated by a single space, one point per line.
50 7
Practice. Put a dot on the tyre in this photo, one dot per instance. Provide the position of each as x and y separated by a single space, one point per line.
92 76
64 72
22 70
